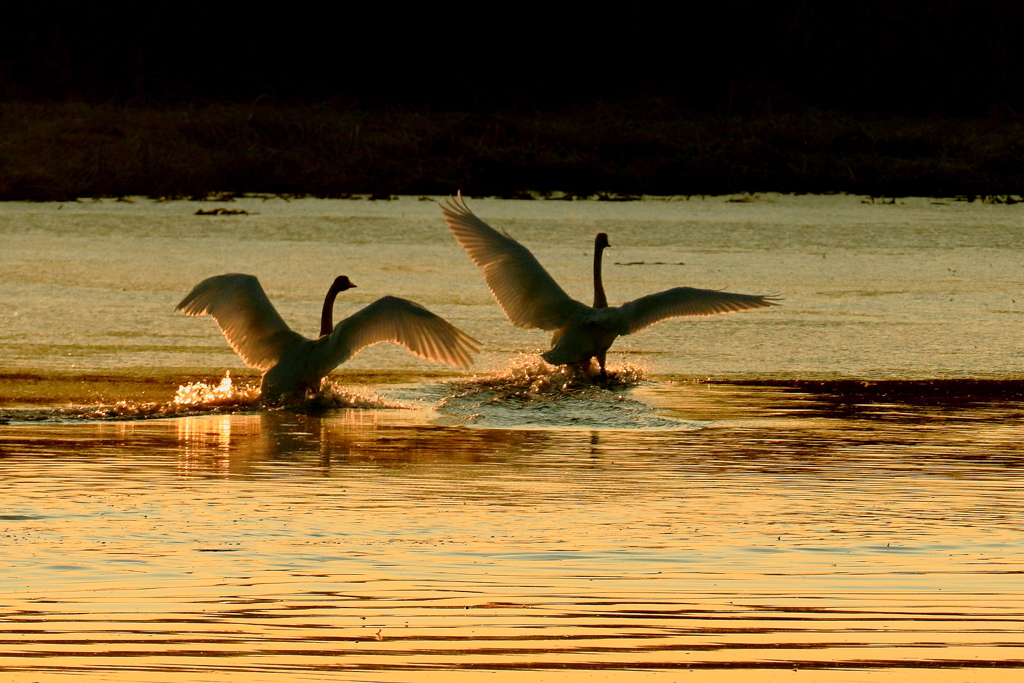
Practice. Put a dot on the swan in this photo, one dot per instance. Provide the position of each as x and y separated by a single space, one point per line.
530 297
292 363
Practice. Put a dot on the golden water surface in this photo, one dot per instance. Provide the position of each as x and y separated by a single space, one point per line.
830 490
793 534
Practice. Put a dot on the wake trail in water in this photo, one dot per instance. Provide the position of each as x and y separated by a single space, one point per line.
528 394
200 398
532 394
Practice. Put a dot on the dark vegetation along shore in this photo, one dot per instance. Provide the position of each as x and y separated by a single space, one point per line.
877 97
64 151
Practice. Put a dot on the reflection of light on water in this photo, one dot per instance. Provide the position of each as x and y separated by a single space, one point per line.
784 540
352 421
211 436
232 442
203 437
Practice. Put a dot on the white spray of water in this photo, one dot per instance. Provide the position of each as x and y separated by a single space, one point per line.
206 394
532 394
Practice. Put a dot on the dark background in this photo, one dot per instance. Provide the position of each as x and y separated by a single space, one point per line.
904 97
907 56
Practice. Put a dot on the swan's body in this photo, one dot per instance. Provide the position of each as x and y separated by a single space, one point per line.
531 298
292 363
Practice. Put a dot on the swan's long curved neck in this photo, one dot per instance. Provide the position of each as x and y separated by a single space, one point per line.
327 316
340 284
600 300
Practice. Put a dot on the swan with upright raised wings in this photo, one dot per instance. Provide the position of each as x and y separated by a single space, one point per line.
531 298
292 363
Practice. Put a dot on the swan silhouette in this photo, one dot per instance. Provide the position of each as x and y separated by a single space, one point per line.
530 297
292 363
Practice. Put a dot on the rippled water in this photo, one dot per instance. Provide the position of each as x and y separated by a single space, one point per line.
833 485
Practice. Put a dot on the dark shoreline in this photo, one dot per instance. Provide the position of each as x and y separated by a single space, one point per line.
937 392
61 152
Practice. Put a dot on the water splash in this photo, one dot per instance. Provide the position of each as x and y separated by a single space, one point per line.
198 398
530 377
531 393
190 399
205 394
335 396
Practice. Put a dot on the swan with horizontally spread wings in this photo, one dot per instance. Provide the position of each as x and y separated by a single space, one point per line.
292 364
531 298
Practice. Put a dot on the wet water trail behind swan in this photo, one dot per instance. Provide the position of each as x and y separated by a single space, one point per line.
201 398
530 394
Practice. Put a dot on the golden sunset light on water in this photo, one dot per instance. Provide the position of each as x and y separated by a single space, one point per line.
767 517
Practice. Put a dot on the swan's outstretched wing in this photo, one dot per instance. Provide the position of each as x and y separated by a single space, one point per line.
524 290
248 320
391 319
685 301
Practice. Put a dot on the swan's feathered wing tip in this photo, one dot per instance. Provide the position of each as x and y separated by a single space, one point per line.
457 212
198 301
454 206
392 319
249 322
526 293
679 302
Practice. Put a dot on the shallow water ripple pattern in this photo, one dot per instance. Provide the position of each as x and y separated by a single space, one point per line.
284 545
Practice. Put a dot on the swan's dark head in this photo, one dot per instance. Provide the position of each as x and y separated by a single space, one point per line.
601 241
341 283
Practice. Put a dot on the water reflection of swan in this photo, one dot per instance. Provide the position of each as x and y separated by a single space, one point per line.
292 363
531 298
